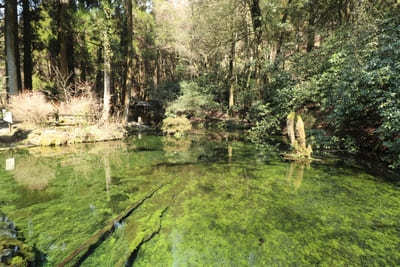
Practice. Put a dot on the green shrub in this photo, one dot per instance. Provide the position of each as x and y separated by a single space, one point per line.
267 124
352 82
192 102
363 90
176 126
41 84
322 142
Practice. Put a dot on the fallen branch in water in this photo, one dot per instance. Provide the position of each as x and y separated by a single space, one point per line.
81 253
133 256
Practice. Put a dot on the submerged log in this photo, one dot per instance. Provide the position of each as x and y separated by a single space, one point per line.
84 251
149 235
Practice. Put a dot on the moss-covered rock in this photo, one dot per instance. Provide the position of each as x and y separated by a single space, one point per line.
12 250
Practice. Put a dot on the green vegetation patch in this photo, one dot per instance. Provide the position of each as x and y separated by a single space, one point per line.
223 203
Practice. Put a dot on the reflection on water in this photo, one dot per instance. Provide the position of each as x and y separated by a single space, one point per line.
10 164
173 145
230 152
107 174
296 174
33 173
221 202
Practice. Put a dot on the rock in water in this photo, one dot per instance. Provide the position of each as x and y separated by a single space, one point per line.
7 228
12 250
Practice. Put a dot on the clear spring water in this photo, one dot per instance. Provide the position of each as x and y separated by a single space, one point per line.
216 201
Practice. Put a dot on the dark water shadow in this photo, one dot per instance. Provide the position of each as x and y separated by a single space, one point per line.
14 238
353 167
173 164
143 149
18 136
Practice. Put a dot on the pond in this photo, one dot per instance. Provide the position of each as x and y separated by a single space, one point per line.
205 200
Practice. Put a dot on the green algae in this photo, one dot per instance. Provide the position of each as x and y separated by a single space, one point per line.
269 222
224 203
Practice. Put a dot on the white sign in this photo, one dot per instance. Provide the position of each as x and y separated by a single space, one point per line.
7 117
10 164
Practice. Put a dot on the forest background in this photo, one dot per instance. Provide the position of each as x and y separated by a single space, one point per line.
335 62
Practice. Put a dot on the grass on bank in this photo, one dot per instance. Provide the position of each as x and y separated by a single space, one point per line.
53 123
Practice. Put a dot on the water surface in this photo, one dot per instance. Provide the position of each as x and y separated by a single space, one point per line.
216 201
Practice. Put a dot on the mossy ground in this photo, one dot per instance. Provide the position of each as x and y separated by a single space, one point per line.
223 203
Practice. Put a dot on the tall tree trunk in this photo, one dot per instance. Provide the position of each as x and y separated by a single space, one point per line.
310 29
231 76
99 74
339 11
70 40
232 95
310 34
107 77
124 58
157 69
256 18
107 56
129 65
65 39
28 65
12 54
282 33
148 76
